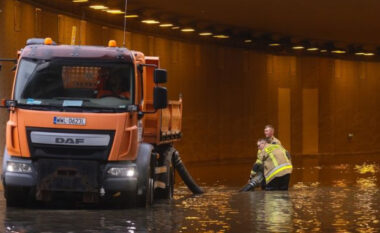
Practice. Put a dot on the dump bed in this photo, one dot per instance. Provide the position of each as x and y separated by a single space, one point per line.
164 126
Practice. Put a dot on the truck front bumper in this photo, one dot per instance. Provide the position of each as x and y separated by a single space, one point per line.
120 176
77 176
18 172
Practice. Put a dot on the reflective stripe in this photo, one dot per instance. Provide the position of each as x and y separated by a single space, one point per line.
273 158
269 150
285 156
278 169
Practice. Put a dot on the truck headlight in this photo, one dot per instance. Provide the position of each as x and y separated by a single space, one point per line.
122 171
19 167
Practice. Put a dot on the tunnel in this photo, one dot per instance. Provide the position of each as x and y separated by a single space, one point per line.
310 70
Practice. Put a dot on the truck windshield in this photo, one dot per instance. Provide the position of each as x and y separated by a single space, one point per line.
75 84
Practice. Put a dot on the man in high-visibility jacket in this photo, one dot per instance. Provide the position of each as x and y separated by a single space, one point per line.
269 134
277 166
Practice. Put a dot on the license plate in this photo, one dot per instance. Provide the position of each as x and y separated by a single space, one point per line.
69 121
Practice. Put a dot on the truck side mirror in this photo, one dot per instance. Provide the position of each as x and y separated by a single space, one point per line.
4 103
160 98
160 76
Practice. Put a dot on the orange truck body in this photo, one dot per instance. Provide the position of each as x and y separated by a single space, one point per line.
165 125
160 127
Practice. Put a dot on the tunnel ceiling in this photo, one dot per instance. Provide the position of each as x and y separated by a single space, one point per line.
348 22
341 20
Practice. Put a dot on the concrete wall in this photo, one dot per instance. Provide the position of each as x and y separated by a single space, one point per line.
229 93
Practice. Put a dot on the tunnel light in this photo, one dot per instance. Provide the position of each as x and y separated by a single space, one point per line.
364 54
323 50
175 28
369 54
79 1
312 49
98 7
115 11
150 21
248 41
298 47
187 30
131 16
274 44
205 34
19 167
337 51
221 36
166 25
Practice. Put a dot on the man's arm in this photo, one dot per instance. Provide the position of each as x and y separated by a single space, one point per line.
258 166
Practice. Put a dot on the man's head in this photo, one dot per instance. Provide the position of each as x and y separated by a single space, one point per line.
261 143
268 131
115 83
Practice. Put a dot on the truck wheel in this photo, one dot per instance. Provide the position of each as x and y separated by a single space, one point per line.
146 199
16 196
146 161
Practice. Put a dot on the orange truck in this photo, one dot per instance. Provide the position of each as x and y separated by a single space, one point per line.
89 123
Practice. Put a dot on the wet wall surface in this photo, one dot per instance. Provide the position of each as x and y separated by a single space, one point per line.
339 194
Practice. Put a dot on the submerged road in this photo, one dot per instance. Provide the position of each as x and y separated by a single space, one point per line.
326 196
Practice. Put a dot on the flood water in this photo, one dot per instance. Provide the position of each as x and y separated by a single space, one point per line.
339 194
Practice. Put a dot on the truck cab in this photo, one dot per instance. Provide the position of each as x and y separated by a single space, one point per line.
90 123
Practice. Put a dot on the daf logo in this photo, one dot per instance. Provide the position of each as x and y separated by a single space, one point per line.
69 140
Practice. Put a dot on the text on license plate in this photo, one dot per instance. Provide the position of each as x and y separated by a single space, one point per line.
69 121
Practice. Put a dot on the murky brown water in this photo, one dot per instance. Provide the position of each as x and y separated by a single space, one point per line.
327 195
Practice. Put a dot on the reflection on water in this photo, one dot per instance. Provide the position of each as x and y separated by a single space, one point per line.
324 197
214 214
365 199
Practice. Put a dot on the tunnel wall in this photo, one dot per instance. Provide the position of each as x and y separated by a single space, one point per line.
229 93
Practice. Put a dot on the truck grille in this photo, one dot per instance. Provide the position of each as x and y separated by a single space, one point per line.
68 175
70 144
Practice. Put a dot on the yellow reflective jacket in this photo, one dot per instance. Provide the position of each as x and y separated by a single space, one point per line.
274 140
275 162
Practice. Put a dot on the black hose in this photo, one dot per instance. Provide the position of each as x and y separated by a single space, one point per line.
247 187
253 182
186 177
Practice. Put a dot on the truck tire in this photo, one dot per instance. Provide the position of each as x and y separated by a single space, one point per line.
146 198
16 196
164 182
145 162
